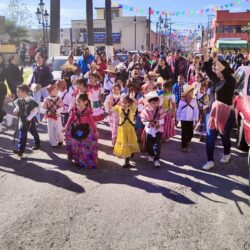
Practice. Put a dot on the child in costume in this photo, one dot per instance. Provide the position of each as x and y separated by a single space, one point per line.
203 102
81 88
153 119
81 134
94 94
126 143
188 114
66 98
169 106
111 101
109 80
54 106
26 109
73 86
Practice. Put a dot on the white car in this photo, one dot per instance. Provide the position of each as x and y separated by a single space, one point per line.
55 63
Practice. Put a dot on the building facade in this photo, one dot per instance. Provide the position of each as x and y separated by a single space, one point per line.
130 33
230 30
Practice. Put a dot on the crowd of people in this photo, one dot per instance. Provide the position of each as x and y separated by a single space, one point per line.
144 100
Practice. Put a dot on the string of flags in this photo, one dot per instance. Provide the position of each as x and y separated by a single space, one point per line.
213 9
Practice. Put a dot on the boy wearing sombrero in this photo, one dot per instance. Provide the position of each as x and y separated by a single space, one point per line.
188 115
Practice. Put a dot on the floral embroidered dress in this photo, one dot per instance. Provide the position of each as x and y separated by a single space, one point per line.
169 125
126 142
82 152
112 101
94 93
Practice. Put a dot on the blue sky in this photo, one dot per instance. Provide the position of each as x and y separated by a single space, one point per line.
76 9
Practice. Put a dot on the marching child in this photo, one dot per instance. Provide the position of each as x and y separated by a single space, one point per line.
54 106
111 101
73 86
81 134
109 80
153 119
94 94
169 106
26 109
81 88
66 98
178 89
203 102
188 114
126 143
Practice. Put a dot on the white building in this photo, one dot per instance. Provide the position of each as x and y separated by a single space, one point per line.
123 29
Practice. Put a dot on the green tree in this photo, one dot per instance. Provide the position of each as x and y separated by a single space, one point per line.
17 34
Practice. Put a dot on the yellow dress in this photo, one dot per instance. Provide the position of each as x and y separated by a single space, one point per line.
126 142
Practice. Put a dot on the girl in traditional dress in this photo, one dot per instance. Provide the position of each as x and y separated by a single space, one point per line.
169 106
81 134
94 93
111 101
203 102
126 143
81 88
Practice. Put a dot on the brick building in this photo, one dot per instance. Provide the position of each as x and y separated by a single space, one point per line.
230 30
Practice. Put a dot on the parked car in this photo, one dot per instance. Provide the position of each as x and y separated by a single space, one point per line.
56 64
242 109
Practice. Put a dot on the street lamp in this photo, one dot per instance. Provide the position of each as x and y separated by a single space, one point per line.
43 19
135 30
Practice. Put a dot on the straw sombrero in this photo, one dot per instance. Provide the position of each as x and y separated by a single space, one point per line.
68 66
110 69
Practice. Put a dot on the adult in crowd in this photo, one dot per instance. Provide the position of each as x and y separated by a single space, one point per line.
100 64
163 69
41 78
85 60
70 68
14 75
22 54
221 118
132 64
194 68
3 89
181 65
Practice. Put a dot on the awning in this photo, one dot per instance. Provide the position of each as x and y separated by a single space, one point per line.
233 44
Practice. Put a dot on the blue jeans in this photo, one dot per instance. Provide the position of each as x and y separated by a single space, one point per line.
23 136
212 136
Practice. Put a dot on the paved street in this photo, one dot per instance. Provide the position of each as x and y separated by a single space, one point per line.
48 204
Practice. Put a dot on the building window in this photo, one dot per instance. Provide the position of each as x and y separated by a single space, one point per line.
100 30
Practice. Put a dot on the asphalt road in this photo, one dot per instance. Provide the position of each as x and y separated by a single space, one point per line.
48 204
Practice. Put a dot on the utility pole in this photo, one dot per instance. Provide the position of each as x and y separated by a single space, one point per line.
135 30
149 28
90 25
157 27
109 38
54 45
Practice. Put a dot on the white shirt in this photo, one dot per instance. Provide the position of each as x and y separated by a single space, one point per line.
66 98
186 113
108 82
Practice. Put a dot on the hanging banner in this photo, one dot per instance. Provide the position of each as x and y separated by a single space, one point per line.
212 9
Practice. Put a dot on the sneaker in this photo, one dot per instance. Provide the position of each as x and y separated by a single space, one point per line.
225 159
36 147
150 159
208 165
157 164
18 152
